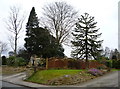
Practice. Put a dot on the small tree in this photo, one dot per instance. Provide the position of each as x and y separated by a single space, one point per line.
3 47
107 52
115 54
22 52
14 25
85 41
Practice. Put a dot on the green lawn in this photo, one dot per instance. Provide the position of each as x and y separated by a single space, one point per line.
115 69
45 75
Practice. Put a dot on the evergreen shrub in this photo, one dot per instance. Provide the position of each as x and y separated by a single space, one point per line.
16 61
116 64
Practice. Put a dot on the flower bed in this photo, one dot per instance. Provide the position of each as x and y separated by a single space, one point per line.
95 72
72 79
83 76
65 77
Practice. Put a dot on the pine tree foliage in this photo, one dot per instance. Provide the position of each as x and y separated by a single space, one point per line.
33 21
31 24
39 41
85 42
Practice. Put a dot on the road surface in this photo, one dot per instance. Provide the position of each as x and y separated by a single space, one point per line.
109 80
6 85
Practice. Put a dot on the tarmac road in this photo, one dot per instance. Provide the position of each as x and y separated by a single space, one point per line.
109 80
7 85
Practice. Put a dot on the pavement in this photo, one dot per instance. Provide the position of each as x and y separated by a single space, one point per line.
108 80
18 79
0 81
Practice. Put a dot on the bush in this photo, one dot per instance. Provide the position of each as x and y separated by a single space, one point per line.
95 72
11 60
109 63
102 67
41 62
112 63
4 60
116 64
24 54
16 61
19 61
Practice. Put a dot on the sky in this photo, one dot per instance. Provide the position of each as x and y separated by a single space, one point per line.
104 11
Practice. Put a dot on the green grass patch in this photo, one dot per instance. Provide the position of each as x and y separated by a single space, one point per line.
44 76
115 69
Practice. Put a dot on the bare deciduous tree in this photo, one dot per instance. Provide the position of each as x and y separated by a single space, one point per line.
59 18
3 47
107 52
14 25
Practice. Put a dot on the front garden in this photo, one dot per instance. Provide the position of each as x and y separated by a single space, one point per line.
60 71
70 71
65 77
46 76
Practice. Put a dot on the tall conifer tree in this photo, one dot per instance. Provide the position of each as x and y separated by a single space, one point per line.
32 24
33 21
86 44
39 41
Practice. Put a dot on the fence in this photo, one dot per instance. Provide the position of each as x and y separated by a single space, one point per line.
57 63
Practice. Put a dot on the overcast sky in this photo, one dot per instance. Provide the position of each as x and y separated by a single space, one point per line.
104 11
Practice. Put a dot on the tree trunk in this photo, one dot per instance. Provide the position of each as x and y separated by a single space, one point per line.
47 64
15 45
86 54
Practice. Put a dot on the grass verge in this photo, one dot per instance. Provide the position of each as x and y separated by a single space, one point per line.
115 69
44 76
